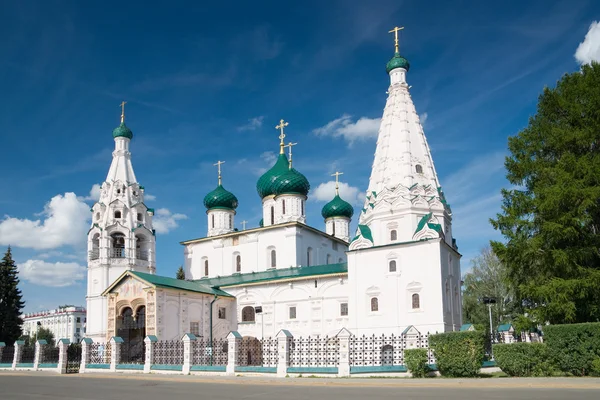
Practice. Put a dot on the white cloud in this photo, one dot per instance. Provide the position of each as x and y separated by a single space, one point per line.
149 197
65 223
94 194
423 118
589 49
326 191
363 129
59 254
165 221
252 125
269 157
57 274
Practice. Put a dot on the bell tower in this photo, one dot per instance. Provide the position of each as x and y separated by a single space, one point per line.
121 237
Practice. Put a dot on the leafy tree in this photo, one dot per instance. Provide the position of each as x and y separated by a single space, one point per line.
487 278
551 216
11 302
43 334
180 273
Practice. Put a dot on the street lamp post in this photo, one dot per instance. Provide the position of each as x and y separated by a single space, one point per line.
489 301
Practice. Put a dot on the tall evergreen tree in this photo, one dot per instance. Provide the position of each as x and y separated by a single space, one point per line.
11 302
180 274
551 217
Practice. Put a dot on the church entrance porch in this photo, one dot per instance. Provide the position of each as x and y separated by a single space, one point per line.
131 327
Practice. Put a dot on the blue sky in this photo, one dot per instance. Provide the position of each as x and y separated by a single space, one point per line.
209 81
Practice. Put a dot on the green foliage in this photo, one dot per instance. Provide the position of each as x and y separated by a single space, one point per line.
523 359
551 217
417 362
595 367
458 354
43 334
487 278
11 300
180 274
573 348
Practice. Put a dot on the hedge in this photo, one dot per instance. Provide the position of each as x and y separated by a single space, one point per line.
417 362
458 354
574 347
523 359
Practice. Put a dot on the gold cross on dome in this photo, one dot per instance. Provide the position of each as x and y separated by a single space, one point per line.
396 30
282 124
123 111
337 181
290 144
218 165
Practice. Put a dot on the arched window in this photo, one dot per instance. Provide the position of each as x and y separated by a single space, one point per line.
448 298
273 258
97 216
283 206
308 256
449 264
416 303
328 258
117 214
419 169
374 304
95 252
139 217
238 263
333 226
301 207
393 266
248 314
272 215
213 220
340 260
393 235
230 221
205 267
118 245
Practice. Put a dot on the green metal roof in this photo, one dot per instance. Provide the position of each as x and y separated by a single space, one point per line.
425 221
220 198
291 182
465 327
274 275
264 186
397 62
172 283
364 231
337 208
504 327
122 131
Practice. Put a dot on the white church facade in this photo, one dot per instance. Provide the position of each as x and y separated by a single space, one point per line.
400 269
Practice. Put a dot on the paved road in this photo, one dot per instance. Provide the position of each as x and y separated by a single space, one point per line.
18 386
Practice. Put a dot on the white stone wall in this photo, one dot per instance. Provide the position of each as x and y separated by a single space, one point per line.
339 227
290 242
418 271
294 208
317 300
220 221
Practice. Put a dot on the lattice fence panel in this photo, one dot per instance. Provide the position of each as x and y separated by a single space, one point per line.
314 351
8 354
27 354
168 352
49 354
205 354
100 353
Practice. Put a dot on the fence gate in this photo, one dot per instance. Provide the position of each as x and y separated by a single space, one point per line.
73 358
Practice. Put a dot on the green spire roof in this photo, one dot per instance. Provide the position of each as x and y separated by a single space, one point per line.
220 199
337 208
264 186
397 62
291 182
122 131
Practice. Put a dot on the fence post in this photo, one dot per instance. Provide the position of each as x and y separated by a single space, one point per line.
233 344
283 352
149 356
63 346
344 366
37 357
85 353
188 340
115 352
19 344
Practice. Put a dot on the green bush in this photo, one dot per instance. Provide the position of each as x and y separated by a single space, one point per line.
417 362
574 347
523 359
595 367
458 353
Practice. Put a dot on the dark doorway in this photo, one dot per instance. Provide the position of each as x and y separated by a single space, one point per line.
132 329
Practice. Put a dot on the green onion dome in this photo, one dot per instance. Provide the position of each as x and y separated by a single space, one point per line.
337 208
220 199
264 186
261 223
397 62
291 182
122 131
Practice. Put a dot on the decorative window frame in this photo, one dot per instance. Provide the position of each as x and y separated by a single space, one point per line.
372 292
289 310
414 288
393 257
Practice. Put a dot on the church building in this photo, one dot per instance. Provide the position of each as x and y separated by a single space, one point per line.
401 268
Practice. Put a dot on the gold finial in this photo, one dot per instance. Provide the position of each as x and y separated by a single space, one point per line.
395 30
290 144
281 125
218 164
123 111
337 181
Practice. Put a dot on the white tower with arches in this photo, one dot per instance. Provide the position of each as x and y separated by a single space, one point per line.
403 263
121 236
